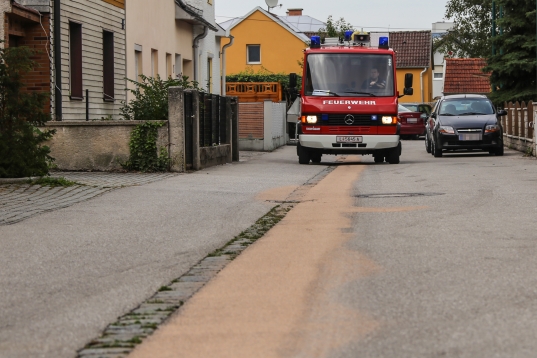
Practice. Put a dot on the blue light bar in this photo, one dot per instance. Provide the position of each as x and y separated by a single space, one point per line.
384 42
348 35
315 42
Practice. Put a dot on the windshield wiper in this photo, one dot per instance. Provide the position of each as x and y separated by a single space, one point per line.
356 92
324 93
447 114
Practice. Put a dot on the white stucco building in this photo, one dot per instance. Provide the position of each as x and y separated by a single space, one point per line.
438 30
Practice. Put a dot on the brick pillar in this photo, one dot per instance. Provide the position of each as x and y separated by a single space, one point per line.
176 129
196 161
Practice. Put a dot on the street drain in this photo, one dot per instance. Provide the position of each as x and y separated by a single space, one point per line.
396 195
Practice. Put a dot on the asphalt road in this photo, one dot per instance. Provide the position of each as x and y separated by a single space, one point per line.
65 275
434 257
431 257
457 278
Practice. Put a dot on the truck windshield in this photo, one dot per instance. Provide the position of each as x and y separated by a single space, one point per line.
349 75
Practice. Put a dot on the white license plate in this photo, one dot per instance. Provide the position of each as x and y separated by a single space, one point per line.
349 139
412 120
471 136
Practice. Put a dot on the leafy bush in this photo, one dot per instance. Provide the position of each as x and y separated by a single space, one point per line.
144 155
21 113
151 97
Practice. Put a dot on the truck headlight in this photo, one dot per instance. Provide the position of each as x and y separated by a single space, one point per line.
389 120
446 130
311 119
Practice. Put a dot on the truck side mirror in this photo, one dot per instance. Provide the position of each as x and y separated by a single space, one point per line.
292 80
409 78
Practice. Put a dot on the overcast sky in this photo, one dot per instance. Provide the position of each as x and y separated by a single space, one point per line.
372 15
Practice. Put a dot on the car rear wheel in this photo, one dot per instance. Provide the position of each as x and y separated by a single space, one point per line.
427 144
303 154
499 151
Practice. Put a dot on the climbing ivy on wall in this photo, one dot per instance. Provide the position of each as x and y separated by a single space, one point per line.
144 154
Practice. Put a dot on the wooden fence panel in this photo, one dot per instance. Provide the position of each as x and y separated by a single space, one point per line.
523 120
516 119
251 120
530 119
255 91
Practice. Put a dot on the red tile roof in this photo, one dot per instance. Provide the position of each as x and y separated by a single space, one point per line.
413 48
465 75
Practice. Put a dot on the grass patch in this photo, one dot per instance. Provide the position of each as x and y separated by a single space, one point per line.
53 182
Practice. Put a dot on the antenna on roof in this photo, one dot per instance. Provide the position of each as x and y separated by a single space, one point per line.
271 4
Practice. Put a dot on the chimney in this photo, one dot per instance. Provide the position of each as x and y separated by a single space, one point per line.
294 12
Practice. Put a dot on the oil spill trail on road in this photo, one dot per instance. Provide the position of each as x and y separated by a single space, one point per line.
280 298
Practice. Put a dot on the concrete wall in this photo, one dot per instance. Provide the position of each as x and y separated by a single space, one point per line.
274 126
94 145
5 6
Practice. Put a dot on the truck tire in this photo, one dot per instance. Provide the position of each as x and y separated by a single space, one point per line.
316 157
303 155
394 154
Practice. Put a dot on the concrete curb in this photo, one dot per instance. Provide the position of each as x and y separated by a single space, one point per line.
16 180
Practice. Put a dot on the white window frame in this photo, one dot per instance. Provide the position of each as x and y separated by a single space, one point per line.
248 55
438 78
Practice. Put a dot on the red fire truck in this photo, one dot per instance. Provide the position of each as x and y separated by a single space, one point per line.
349 100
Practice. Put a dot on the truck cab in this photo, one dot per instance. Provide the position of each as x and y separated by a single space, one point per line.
349 100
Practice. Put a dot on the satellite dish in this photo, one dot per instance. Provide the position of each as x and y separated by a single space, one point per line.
271 3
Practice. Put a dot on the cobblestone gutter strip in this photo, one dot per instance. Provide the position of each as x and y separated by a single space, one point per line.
120 338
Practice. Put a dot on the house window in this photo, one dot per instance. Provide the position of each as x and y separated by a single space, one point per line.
178 70
169 68
154 63
108 65
75 49
253 53
209 74
438 75
138 68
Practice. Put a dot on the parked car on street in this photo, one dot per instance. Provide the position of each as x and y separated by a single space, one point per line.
464 122
412 123
418 107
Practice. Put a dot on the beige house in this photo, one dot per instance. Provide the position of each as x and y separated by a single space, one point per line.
173 37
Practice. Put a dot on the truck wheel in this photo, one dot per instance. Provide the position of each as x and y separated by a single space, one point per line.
316 157
303 155
378 158
394 154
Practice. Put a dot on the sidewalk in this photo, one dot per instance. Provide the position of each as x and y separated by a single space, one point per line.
65 275
21 201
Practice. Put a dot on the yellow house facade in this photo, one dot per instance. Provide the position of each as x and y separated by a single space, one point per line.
413 51
262 40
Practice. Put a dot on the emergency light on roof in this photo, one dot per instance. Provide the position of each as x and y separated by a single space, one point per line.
315 42
384 42
348 35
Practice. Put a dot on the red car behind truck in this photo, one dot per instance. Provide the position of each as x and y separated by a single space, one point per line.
344 109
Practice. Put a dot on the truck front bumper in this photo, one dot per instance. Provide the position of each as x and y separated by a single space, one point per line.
328 144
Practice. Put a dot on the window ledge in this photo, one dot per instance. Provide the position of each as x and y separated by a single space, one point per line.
73 98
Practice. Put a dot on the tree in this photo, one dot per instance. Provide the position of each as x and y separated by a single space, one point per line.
513 65
470 35
335 29
22 153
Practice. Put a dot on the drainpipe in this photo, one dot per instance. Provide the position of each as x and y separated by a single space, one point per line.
231 39
57 62
421 84
195 45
